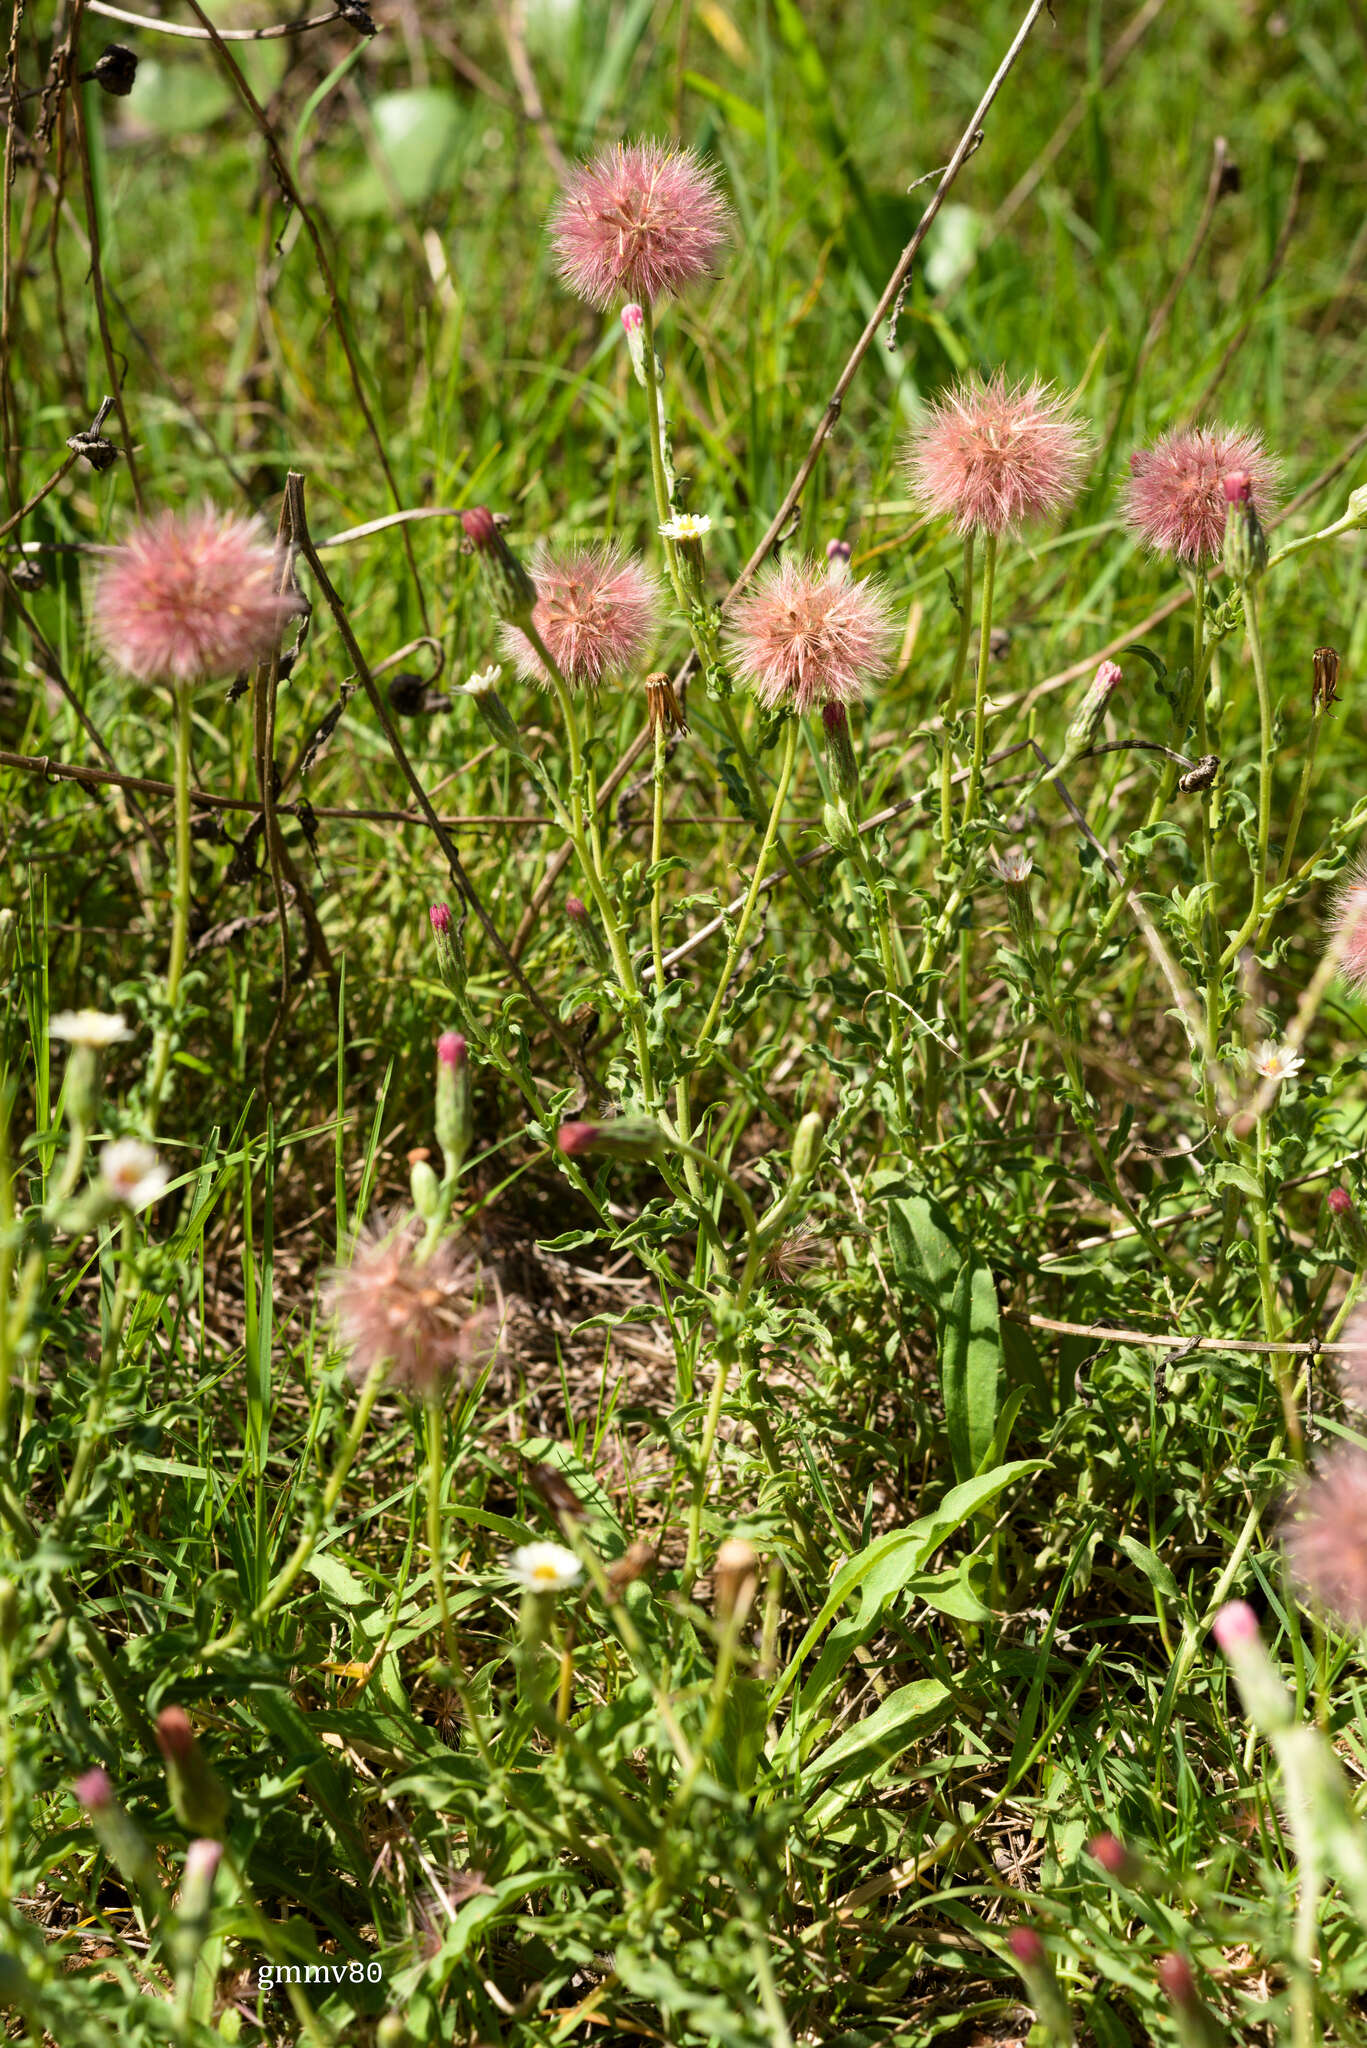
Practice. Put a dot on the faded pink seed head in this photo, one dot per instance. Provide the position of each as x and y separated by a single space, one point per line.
994 457
633 319
191 597
1176 497
389 1308
440 915
1236 1623
641 219
596 610
803 640
1348 927
451 1049
1326 1544
1026 1947
93 1790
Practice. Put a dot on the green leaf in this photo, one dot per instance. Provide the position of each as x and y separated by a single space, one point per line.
926 1254
418 134
873 1743
970 1368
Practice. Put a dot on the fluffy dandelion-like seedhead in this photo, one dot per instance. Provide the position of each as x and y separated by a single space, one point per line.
1175 498
545 1567
1348 927
131 1173
189 597
417 1318
803 640
1326 1544
596 610
641 220
94 1029
994 457
1276 1062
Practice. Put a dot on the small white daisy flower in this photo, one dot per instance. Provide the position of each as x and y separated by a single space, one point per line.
93 1028
686 526
1013 868
485 679
1276 1062
545 1567
132 1173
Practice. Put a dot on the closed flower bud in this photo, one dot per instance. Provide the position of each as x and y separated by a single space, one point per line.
1357 504
1348 1225
841 764
117 1833
807 1142
1245 555
633 326
1267 1702
507 585
734 1575
1082 733
1014 871
1115 1859
626 1137
1029 1955
198 1798
838 560
453 1116
202 1859
446 932
425 1187
587 937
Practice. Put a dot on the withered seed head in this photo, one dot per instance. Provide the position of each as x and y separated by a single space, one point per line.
663 708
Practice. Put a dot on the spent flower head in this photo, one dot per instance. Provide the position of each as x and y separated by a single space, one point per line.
545 1567
190 597
642 219
596 610
1175 497
803 640
1348 927
131 1173
94 1029
1326 1543
994 457
415 1317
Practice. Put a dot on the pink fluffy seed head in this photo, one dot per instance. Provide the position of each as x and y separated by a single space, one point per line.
596 610
995 457
1326 1544
414 1317
1348 927
191 597
802 640
1176 499
641 220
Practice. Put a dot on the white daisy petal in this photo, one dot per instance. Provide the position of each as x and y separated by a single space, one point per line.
545 1567
94 1028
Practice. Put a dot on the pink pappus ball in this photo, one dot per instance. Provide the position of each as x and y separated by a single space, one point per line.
993 456
192 597
642 220
802 639
1176 498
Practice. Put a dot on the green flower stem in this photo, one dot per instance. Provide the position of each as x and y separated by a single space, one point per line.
1253 921
1350 523
574 824
787 764
455 1670
180 909
883 923
657 827
1302 795
1271 1305
663 509
975 773
956 684
88 1441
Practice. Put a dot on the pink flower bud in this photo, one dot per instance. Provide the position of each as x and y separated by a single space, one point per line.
202 1859
838 551
481 528
626 1137
94 1790
633 319
1026 1947
1174 1974
451 1049
1235 1625
1238 488
1115 1859
175 1736
440 914
576 910
1340 1201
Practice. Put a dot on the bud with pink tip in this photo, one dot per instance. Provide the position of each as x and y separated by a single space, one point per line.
1196 2025
626 1137
446 935
587 937
1029 1956
838 554
440 915
94 1790
1245 551
1086 725
117 1833
1347 1225
1266 1700
510 590
454 1115
1115 1859
198 1799
633 326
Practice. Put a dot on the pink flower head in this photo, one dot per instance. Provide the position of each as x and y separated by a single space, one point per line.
633 319
1348 927
191 597
994 456
1176 498
804 639
417 1318
642 219
440 915
1326 1545
596 610
94 1791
